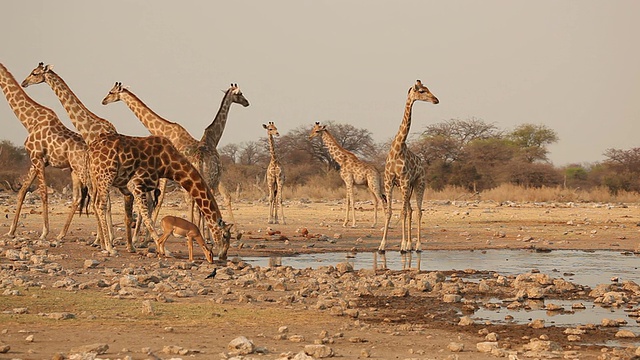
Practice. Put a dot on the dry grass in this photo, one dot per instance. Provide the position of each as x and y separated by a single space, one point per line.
505 192
94 306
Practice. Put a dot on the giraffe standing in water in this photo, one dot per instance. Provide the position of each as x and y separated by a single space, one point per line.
353 171
404 169
274 177
48 143
202 154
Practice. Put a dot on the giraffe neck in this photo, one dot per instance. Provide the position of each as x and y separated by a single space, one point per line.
23 106
401 138
213 132
190 179
337 152
272 149
149 118
88 124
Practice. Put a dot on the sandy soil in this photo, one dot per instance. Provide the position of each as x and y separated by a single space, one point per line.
416 326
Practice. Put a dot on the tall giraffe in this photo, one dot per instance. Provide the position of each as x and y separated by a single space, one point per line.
404 169
275 177
48 143
88 124
135 165
353 171
202 154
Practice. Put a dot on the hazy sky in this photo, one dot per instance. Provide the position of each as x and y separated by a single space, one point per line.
573 66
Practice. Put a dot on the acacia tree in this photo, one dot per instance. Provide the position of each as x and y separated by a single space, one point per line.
533 141
624 169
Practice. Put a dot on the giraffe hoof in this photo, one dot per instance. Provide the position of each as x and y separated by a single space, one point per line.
403 251
10 235
418 250
381 251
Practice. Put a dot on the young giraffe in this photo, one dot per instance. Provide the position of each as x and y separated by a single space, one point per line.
49 143
88 124
353 171
202 154
135 165
404 169
275 177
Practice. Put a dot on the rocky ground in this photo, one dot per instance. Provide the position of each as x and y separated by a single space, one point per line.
68 300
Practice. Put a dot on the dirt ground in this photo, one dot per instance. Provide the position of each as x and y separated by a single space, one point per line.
415 326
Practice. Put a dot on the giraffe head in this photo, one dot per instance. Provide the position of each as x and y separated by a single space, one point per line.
222 238
114 94
271 129
37 75
422 93
317 130
238 98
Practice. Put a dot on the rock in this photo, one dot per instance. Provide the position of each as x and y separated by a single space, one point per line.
302 356
492 337
60 316
147 308
538 345
318 351
241 345
625 334
486 346
92 348
91 264
4 348
536 324
344 267
296 338
465 321
451 298
455 347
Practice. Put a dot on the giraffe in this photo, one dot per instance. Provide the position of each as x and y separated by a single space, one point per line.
86 122
404 169
135 165
49 143
353 171
275 177
202 154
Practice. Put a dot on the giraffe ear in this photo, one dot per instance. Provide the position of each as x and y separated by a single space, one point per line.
264 126
48 67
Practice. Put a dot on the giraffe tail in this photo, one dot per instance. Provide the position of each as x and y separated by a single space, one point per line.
84 199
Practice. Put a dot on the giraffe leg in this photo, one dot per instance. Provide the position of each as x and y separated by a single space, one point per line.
388 185
350 205
226 198
42 185
31 176
406 218
128 219
101 209
76 186
376 202
419 196
272 201
139 199
280 202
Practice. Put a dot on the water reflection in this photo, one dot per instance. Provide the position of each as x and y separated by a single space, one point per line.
580 267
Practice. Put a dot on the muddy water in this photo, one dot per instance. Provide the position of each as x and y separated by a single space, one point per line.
581 267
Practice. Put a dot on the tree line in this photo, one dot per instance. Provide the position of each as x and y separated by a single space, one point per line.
470 154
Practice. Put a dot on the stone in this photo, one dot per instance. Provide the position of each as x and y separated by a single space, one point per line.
91 348
318 351
486 346
536 324
91 264
625 334
465 321
455 347
147 308
241 345
451 298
